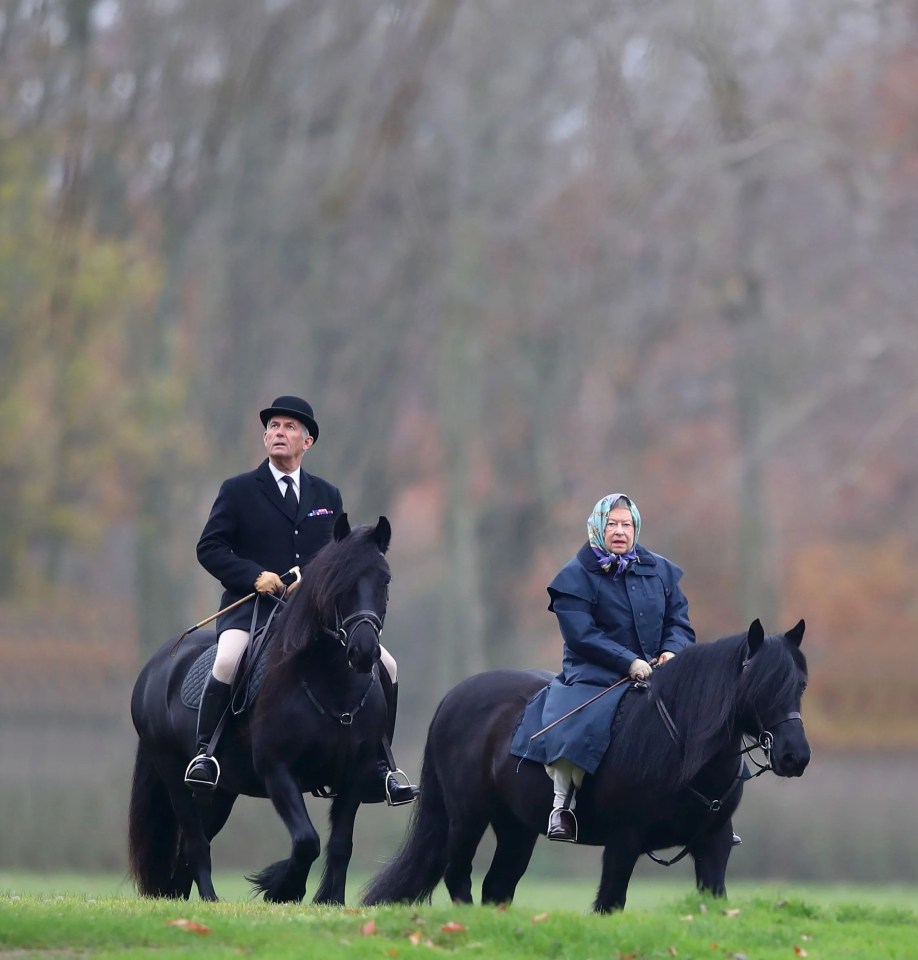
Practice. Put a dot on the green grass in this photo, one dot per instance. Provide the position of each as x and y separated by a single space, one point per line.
100 917
39 925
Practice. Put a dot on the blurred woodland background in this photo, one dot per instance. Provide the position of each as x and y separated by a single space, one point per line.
517 255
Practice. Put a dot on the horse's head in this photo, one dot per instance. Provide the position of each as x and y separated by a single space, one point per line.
773 681
360 608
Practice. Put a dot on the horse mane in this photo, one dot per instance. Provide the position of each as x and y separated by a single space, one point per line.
333 571
704 689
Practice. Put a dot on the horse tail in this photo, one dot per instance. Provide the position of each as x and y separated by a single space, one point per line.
153 831
414 872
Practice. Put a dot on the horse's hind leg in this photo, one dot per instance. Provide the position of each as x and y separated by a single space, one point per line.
463 840
195 846
515 843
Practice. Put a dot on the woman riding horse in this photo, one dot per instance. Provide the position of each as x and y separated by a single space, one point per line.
620 609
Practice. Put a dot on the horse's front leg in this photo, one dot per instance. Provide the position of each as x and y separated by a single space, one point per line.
285 880
338 848
711 854
618 859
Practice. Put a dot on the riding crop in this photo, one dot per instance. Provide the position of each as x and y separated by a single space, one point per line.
570 713
293 573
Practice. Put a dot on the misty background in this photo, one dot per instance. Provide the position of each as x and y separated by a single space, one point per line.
517 255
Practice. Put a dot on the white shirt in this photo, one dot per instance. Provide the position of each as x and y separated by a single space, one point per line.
278 476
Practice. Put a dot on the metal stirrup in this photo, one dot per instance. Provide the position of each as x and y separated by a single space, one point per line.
202 784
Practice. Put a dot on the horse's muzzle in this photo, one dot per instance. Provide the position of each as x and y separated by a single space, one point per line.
790 761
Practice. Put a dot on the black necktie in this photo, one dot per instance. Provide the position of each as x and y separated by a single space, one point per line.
290 500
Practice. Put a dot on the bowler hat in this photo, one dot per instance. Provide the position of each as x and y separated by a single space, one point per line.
292 407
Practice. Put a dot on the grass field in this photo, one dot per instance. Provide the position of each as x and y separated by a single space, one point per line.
65 916
536 893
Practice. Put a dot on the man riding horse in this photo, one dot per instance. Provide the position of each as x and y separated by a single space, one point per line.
262 524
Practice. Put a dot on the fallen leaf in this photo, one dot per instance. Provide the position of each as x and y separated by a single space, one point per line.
800 952
392 952
702 908
688 917
452 927
673 952
539 917
369 928
731 912
189 926
415 937
805 936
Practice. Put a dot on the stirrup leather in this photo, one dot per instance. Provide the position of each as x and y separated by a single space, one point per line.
202 784
398 773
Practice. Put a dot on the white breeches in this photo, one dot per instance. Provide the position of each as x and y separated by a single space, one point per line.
231 644
565 776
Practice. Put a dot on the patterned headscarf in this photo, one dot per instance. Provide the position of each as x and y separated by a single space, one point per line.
596 529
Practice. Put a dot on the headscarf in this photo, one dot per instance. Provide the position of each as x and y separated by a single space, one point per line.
596 529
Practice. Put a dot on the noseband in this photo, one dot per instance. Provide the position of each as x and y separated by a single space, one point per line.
346 627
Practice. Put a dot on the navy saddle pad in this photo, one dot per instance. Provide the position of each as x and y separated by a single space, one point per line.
193 684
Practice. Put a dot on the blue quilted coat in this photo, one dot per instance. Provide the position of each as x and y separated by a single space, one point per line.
605 624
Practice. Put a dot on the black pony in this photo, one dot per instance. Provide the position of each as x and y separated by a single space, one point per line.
316 725
671 777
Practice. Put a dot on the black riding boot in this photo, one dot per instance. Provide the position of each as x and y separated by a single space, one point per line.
204 771
396 792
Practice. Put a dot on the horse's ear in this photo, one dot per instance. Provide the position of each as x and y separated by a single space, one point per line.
382 534
755 637
341 528
795 634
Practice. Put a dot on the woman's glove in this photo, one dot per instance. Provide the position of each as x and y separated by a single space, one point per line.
639 669
664 656
267 582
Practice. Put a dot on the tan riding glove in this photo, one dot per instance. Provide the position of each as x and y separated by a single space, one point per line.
664 656
268 582
639 669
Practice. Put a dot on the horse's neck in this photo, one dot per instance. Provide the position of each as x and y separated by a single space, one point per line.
708 738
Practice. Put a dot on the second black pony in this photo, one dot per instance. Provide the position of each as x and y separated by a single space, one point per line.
316 724
671 777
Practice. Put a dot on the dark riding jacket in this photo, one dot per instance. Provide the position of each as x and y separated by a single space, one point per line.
250 530
605 624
